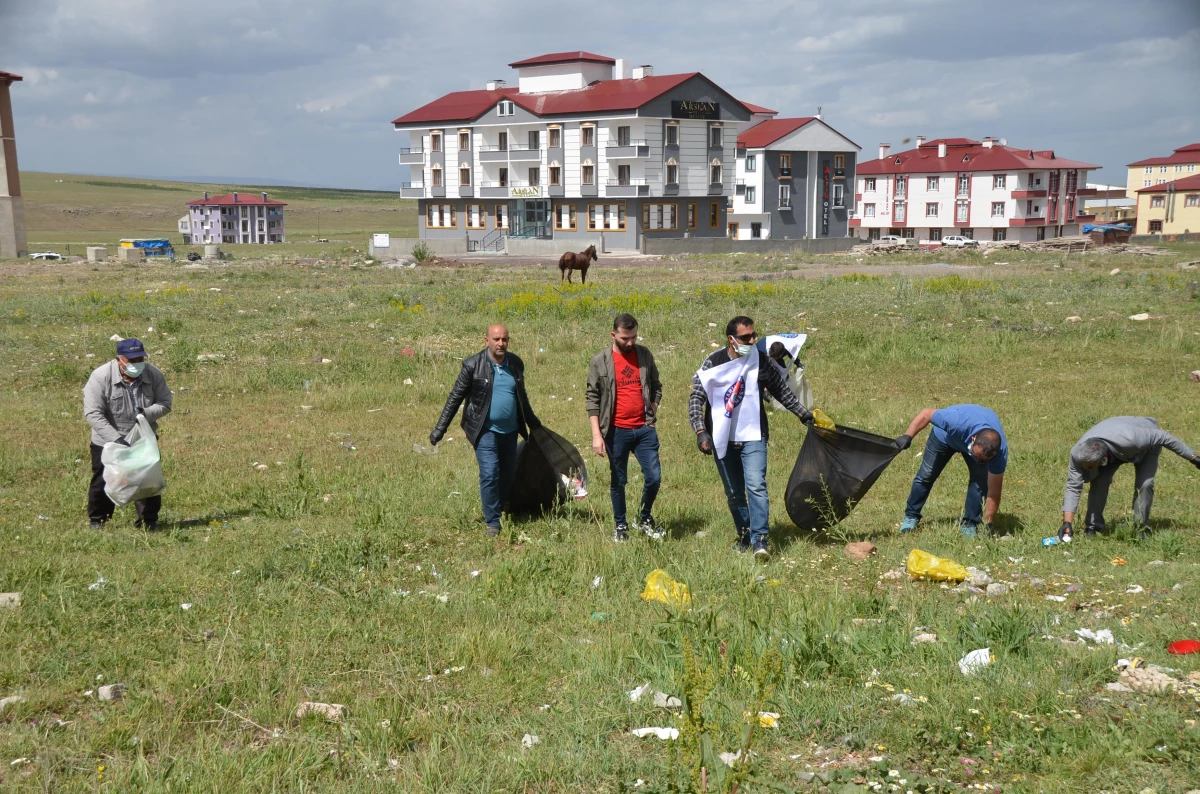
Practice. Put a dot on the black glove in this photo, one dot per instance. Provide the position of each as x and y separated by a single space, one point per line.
903 442
123 441
705 442
1196 461
435 437
1065 529
806 417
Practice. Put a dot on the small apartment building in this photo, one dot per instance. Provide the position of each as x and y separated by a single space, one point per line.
1170 208
795 180
1180 164
582 146
233 218
981 190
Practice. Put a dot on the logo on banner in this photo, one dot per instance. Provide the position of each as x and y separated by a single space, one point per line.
734 396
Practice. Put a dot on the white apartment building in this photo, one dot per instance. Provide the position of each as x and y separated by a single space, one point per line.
582 146
982 190
794 181
233 218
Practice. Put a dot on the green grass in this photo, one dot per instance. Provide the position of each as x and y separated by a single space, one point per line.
321 577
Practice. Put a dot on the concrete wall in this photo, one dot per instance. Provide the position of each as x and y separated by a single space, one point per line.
1156 239
402 246
557 247
709 245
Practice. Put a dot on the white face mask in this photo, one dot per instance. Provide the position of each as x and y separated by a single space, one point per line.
132 370
742 349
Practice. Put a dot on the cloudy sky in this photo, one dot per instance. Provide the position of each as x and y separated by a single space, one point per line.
302 91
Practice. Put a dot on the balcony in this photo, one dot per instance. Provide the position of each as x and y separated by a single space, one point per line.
716 188
627 150
521 154
412 156
626 188
739 187
1088 218
1033 220
1086 191
493 154
1028 194
412 190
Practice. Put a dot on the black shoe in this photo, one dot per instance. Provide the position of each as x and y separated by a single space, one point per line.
651 529
493 531
621 534
760 552
151 526
1091 532
95 524
742 544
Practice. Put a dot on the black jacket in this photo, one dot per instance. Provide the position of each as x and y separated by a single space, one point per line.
474 385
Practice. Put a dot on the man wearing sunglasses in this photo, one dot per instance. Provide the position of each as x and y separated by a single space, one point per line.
735 379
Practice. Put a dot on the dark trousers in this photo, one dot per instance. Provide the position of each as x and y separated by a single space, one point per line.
643 443
937 455
1144 470
100 507
497 457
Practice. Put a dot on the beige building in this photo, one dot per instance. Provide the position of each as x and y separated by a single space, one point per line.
12 207
1183 162
1170 208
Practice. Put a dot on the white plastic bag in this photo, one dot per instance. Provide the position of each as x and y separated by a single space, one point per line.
798 383
133 472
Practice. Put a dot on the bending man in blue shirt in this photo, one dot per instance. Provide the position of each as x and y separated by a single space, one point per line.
973 432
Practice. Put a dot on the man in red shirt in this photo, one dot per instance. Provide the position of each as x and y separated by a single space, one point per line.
623 392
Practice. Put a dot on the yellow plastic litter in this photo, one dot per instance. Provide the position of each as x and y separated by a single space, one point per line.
923 565
822 419
662 588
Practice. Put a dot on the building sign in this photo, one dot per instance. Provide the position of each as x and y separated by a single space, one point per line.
524 192
825 174
687 109
381 240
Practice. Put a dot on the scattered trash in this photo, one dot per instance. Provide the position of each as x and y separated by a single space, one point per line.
116 338
637 693
10 600
1155 563
975 661
924 637
98 584
260 466
1059 599
599 617
1114 271
529 740
1148 679
1074 318
210 356
664 701
1118 561
111 692
1037 584
662 588
859 551
544 707
1117 686
1053 541
1195 375
1139 317
475 574
665 734
923 565
730 758
330 711
1134 589
895 573
768 719
11 700
823 420
185 607
599 580
904 700
1182 647
977 578
408 381
997 589
574 486
420 450
1101 637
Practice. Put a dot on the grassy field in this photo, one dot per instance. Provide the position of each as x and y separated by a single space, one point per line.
353 570
73 210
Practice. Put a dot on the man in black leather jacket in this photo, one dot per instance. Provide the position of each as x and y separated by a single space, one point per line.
492 383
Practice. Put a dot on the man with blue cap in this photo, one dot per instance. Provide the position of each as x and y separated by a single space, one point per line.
116 394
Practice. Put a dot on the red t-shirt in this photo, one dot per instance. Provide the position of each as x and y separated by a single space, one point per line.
630 411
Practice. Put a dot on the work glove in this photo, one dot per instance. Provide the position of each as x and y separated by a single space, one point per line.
1065 530
123 441
705 442
1196 461
903 442
435 437
806 417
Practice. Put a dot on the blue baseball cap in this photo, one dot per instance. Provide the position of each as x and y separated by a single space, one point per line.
131 348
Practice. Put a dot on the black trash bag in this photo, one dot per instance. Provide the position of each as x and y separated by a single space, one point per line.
543 461
834 471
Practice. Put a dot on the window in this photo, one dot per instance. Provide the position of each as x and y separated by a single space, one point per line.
464 140
476 216
908 234
1155 227
785 162
999 235
502 142
1029 207
997 209
555 175
440 216
901 187
714 215
998 181
1162 169
622 136
751 163
756 231
503 177
968 233
1158 201
622 175
732 231
501 216
839 161
564 217
839 195
964 184
691 219
659 217
785 197
962 212
535 177
506 108
1160 182
715 136
464 175
606 216
868 210
1149 169
588 174
931 183
672 172
1178 169
751 194
436 173
672 135
555 137
588 131
1192 200
935 234
535 139
931 209
714 172
1191 167
1145 183
869 185
435 141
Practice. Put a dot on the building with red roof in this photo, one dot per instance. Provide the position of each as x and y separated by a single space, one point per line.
249 218
1181 163
582 146
984 190
1170 208
12 206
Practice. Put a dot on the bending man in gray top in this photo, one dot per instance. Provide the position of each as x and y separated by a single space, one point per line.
1098 455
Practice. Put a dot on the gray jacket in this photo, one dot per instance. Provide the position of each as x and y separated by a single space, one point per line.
601 395
109 407
1129 438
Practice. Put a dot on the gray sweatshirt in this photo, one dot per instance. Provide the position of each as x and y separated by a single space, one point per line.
110 407
1128 438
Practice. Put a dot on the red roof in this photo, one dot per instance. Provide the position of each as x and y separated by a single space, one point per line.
1187 183
563 57
1184 154
9 77
243 199
600 97
924 159
759 108
769 131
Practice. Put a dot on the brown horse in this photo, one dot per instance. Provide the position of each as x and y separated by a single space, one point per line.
576 261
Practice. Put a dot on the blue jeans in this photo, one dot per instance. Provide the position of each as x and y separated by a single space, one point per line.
937 455
497 456
643 443
743 472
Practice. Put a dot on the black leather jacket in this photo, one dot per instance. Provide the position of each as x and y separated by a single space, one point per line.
474 385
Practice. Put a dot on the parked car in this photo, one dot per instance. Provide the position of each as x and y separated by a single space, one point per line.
890 238
45 255
194 257
958 241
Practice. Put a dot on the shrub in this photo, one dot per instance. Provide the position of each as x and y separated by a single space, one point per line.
421 252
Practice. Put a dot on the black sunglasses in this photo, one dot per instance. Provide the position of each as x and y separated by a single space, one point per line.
746 338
